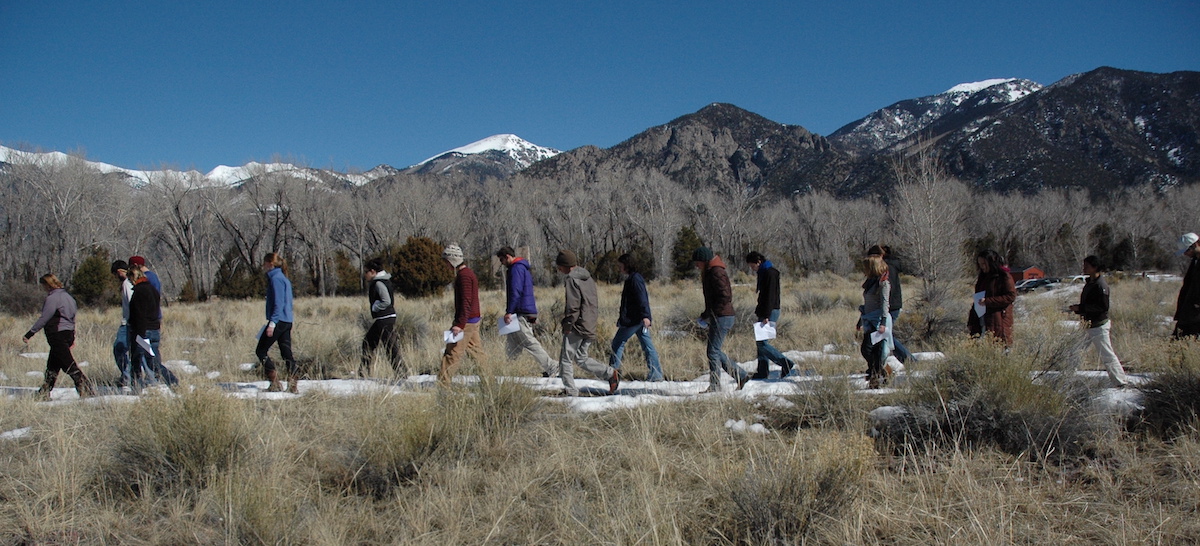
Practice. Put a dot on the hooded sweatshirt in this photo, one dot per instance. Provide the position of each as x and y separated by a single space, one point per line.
718 295
582 305
381 295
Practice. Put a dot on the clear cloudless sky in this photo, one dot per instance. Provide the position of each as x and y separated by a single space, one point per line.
353 84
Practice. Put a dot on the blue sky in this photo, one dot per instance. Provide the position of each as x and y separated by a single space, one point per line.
349 85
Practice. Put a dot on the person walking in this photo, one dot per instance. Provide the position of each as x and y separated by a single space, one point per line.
521 306
999 293
874 320
634 319
120 269
279 325
895 299
380 296
718 315
581 311
1187 305
1093 308
58 322
145 324
767 312
466 316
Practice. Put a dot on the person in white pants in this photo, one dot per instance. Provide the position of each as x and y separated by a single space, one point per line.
1093 307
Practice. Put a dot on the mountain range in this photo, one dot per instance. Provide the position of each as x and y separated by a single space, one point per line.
1101 130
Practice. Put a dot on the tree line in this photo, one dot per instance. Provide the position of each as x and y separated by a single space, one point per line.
207 239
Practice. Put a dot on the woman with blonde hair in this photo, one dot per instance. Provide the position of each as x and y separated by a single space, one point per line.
58 321
279 324
874 320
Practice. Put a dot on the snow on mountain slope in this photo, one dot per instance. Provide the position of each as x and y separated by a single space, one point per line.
525 153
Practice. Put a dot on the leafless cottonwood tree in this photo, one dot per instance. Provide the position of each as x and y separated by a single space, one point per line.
930 211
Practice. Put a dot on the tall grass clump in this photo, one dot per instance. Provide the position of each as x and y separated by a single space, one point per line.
382 443
175 443
982 398
1171 400
784 497
827 404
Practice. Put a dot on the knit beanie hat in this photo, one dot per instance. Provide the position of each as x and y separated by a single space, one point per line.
119 264
702 254
566 258
453 254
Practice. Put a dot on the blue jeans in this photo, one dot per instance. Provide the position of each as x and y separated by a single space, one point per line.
768 353
901 352
153 364
717 359
643 334
121 354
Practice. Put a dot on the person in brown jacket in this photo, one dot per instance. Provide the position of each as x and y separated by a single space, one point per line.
580 315
718 317
999 293
466 316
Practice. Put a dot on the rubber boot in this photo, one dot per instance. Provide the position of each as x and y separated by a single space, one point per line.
47 385
83 385
273 377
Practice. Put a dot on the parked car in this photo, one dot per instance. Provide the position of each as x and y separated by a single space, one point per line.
1029 285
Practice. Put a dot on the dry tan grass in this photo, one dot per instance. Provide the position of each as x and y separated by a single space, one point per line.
497 464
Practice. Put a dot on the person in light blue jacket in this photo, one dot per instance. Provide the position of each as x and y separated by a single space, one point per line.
279 324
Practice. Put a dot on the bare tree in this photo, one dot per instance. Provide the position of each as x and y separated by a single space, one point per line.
929 209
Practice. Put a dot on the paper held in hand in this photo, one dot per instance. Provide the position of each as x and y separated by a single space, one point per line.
876 337
979 309
141 341
511 327
763 333
451 337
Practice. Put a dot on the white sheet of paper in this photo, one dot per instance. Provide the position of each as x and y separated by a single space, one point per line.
144 344
979 309
763 333
450 337
876 337
514 326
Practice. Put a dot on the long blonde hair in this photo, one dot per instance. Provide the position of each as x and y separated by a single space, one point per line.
50 280
874 266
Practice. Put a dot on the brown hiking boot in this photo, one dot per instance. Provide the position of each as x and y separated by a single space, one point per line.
294 384
273 377
614 381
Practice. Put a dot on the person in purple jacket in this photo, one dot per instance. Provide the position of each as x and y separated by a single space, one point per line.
58 322
522 307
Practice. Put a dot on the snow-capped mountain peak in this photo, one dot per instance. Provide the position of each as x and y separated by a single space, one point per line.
977 86
525 153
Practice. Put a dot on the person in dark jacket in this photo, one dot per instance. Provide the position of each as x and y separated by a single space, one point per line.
279 325
1093 307
875 319
58 323
521 306
767 312
1187 305
381 298
466 316
145 332
581 310
895 299
634 319
718 316
999 293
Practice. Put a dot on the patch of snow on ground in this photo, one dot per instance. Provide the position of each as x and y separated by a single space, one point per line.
741 427
16 433
41 356
34 374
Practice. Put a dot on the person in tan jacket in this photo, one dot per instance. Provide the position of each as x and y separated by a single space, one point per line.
580 315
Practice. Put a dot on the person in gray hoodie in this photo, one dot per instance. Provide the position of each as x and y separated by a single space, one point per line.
580 315
381 294
58 321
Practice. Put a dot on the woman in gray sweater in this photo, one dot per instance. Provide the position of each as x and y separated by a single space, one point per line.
58 322
874 319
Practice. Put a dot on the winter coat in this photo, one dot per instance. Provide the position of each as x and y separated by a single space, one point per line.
1187 306
582 305
896 298
279 296
768 290
381 295
635 302
999 294
520 289
58 313
144 308
718 295
466 297
1093 302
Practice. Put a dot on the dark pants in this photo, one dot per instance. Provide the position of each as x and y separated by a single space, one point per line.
282 334
381 331
873 354
141 361
61 360
1186 329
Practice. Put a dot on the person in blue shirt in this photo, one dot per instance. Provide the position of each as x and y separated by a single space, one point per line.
634 319
279 324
